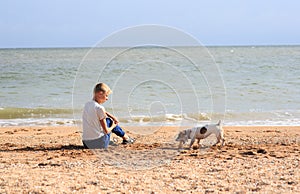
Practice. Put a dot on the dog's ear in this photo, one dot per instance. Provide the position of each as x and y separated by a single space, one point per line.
182 133
179 134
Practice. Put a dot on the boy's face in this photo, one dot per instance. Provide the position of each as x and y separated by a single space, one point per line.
101 97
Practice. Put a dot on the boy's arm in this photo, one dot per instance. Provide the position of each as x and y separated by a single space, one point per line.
112 117
106 129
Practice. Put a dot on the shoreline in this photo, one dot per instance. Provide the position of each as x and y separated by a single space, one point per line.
127 125
47 159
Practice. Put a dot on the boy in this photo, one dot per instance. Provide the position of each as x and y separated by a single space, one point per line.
97 123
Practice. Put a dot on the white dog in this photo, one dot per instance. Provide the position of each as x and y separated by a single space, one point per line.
201 133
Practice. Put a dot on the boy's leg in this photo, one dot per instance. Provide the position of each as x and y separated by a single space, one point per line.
117 130
107 140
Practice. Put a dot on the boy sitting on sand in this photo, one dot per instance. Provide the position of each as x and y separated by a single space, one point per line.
97 123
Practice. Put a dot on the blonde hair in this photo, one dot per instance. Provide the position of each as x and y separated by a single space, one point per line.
102 87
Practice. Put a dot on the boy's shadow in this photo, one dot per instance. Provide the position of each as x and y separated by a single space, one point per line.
42 148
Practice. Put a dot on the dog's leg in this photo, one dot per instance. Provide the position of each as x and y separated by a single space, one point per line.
222 138
218 136
218 140
192 142
223 142
200 145
180 145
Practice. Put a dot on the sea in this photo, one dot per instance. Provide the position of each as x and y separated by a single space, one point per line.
153 85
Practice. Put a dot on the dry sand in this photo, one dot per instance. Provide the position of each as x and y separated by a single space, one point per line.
52 160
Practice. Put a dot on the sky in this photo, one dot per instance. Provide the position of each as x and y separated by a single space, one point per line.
83 23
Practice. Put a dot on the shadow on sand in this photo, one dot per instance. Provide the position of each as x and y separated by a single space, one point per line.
12 148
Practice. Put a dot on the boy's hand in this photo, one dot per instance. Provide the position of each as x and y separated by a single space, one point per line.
115 121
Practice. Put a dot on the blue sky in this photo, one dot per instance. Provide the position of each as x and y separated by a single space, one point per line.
82 23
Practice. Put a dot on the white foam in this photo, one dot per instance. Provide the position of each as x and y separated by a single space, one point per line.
37 122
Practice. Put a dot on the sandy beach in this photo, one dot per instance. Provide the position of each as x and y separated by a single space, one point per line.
52 160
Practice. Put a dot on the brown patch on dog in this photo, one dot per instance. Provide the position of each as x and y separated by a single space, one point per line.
203 130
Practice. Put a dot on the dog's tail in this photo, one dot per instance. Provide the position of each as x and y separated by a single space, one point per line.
219 123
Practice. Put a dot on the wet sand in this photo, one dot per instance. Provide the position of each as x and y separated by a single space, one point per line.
52 160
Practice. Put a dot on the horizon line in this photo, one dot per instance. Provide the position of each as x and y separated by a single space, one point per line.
81 47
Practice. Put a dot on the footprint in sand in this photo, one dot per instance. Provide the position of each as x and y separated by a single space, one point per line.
9 132
43 133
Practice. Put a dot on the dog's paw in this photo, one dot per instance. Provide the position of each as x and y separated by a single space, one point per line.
196 147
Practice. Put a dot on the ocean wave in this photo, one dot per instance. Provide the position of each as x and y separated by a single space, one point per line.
56 116
38 122
17 113
165 118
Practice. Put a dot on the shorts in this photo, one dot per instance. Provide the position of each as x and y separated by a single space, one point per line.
98 143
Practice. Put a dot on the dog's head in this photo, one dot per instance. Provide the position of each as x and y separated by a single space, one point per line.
183 136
